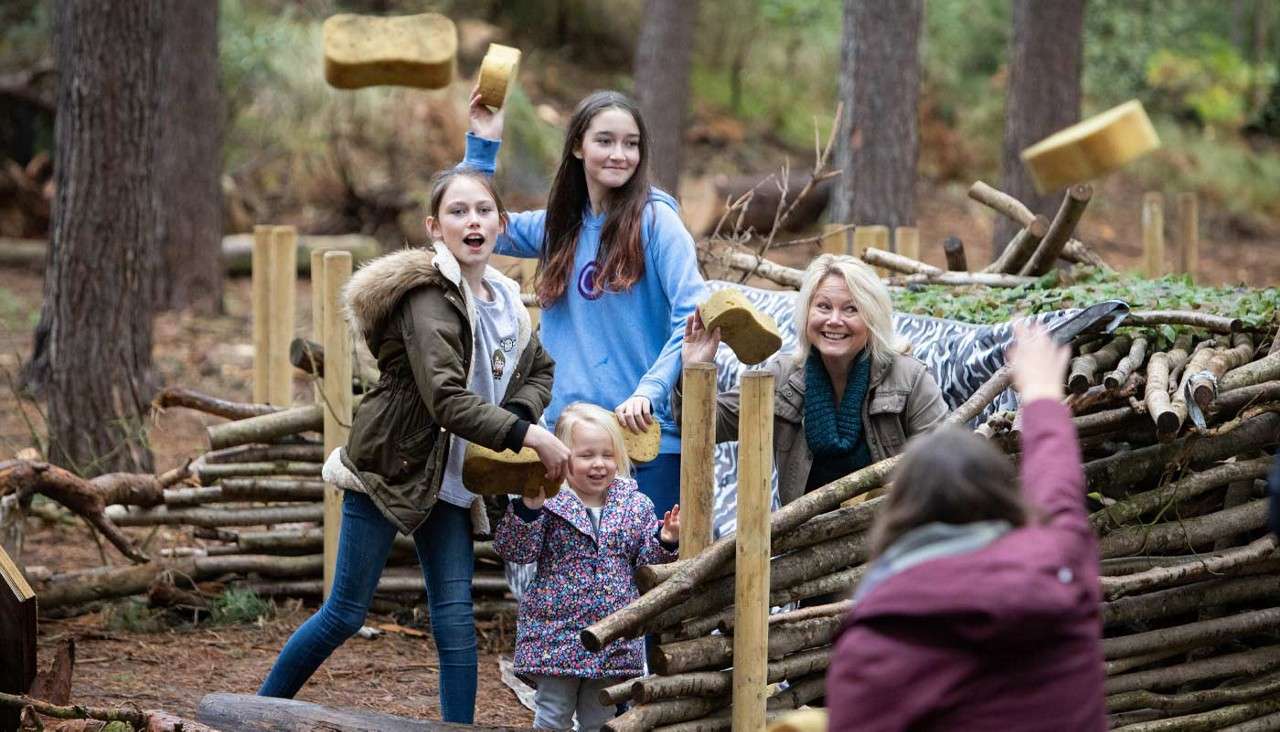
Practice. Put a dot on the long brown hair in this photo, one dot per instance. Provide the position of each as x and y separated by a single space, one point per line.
953 476
621 255
441 181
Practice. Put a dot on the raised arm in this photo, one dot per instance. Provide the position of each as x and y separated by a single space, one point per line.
524 231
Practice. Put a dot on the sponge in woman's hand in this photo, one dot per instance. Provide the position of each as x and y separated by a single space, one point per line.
642 447
751 334
496 73
490 472
404 50
1091 148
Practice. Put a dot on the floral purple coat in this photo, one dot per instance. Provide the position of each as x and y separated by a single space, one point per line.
579 580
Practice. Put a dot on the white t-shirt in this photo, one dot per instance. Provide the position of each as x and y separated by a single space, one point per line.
497 331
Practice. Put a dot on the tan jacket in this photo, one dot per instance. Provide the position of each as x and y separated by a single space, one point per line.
902 400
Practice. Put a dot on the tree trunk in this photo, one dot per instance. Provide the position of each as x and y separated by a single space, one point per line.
188 161
662 63
879 142
1045 63
93 343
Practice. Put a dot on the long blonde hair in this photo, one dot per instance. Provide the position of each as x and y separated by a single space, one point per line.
867 292
582 412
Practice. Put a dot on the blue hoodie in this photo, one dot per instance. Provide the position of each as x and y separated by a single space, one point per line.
610 346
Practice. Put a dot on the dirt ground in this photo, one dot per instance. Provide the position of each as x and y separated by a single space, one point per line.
395 673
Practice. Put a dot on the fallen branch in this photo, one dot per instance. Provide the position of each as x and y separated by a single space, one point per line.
1073 251
1136 357
177 396
266 427
1208 321
1064 222
1020 248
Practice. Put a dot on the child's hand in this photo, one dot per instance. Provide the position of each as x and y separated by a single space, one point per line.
551 451
699 346
670 532
535 501
1038 362
485 122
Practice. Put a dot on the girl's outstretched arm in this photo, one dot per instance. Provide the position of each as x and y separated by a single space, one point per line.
523 235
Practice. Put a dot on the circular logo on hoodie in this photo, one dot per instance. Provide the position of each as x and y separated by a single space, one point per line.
587 282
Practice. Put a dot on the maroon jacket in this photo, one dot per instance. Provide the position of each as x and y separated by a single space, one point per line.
1005 637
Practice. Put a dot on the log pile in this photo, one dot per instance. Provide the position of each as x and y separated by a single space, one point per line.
247 514
1191 637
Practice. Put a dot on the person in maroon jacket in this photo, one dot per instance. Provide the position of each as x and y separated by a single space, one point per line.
980 609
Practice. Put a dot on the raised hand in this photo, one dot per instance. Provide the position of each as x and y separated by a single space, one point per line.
485 122
699 346
670 531
1039 363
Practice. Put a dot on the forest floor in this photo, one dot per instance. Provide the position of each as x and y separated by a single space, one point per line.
171 668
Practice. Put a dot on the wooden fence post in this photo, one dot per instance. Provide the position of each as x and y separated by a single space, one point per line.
835 238
953 248
870 236
751 591
697 458
337 395
260 299
1153 234
1189 233
317 311
284 285
906 241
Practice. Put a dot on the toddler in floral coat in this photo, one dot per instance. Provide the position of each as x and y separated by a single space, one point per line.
587 542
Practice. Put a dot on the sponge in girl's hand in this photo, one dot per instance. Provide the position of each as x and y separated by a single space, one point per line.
642 447
1090 148
496 73
490 472
751 334
405 50
800 720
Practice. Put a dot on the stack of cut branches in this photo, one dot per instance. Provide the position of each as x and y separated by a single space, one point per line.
1176 438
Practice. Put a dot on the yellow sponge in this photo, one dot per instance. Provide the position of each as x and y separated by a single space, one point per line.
800 720
642 446
1091 148
496 73
493 473
404 50
751 334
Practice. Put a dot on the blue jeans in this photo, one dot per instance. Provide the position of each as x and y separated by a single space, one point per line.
659 479
446 554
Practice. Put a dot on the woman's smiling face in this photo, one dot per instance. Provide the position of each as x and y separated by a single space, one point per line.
610 148
834 327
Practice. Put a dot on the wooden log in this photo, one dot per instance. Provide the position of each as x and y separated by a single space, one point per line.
1126 512
1185 533
685 583
1019 249
210 474
1257 372
898 263
261 306
1253 661
1142 699
1208 321
1124 665
825 610
1104 422
1153 235
216 517
758 266
338 400
649 716
267 490
1159 407
1265 723
752 571
619 693
307 452
1178 404
1228 404
697 458
837 583
266 427
1064 222
965 279
906 241
281 302
1217 719
1204 384
1075 251
1188 235
982 398
953 250
177 396
719 683
1084 369
1133 361
408 584
1191 635
247 712
1175 601
717 651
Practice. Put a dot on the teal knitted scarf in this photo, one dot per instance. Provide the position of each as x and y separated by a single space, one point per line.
831 432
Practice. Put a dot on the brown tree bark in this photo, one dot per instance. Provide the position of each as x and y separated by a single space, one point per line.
92 351
1045 61
879 140
662 64
188 161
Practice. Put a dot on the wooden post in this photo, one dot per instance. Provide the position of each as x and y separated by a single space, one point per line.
835 240
261 273
751 590
906 241
697 458
317 311
337 395
1153 234
1189 233
953 248
17 636
283 293
870 236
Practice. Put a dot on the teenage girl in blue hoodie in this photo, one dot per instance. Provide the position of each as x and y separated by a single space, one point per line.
617 274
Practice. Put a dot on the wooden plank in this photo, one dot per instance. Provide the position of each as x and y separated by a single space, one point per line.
697 458
280 318
751 584
261 272
1153 234
338 398
906 241
317 312
17 635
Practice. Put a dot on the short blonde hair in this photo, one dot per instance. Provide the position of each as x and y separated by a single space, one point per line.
868 293
582 412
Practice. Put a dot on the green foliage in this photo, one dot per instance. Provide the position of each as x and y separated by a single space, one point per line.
135 617
1255 307
1231 174
236 606
1211 80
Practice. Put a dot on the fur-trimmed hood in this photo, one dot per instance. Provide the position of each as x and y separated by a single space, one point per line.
375 290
